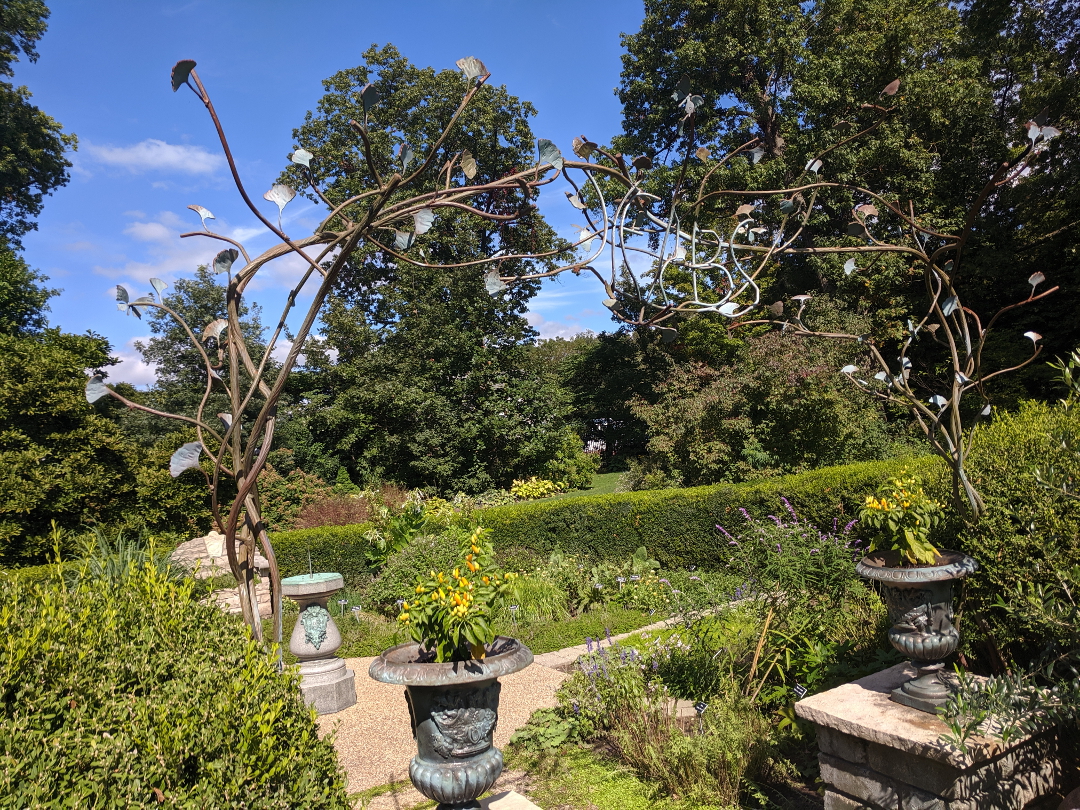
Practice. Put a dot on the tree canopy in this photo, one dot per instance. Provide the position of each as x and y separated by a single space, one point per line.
32 145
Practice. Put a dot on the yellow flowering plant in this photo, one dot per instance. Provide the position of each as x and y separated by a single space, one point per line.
450 613
900 518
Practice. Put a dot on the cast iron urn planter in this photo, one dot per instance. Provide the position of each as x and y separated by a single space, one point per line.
454 709
919 600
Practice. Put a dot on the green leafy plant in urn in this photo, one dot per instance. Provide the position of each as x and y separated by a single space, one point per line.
450 672
916 582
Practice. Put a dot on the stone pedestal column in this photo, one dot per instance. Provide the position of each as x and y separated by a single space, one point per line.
325 682
877 754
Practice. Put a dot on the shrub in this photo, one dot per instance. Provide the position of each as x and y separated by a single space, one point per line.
571 464
397 578
283 497
535 488
137 695
59 459
1026 532
180 504
677 526
338 510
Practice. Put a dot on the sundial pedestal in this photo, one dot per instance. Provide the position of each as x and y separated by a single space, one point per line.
325 682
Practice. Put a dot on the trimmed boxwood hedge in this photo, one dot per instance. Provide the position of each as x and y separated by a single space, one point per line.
333 548
679 525
133 694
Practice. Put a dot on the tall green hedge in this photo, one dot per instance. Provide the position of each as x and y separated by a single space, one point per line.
678 526
132 694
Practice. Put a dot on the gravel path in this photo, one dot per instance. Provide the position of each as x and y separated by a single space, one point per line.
374 737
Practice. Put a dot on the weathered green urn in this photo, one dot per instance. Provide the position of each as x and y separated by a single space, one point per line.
919 599
454 709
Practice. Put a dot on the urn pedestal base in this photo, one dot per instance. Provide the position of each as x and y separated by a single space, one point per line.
327 685
325 682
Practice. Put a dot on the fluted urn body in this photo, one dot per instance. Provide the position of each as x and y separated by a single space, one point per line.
919 599
454 709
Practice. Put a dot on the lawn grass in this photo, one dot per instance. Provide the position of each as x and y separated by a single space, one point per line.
602 484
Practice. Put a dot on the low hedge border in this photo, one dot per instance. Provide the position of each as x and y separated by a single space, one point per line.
339 549
678 525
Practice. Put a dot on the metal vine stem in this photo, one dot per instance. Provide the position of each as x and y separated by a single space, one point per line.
662 263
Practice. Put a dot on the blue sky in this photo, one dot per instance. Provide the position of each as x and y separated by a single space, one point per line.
145 153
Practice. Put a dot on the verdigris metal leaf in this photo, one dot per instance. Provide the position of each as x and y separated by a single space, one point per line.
949 306
583 148
729 309
369 96
214 329
303 157
492 283
642 162
472 67
180 72
867 210
777 308
891 88
185 458
612 304
468 164
158 285
702 153
814 166
423 220
1035 279
406 154
849 267
226 419
403 240
223 262
682 89
667 334
95 389
575 201
856 229
549 153
744 210
1034 337
122 297
756 154
849 369
280 194
787 207
938 400
203 213
986 410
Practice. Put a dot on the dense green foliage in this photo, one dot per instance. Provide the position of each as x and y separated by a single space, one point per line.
422 377
795 74
59 460
341 549
781 407
137 695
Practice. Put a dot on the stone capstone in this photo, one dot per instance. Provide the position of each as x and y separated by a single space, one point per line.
876 754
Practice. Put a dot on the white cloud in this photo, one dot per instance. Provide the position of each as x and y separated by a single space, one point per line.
156 155
132 369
